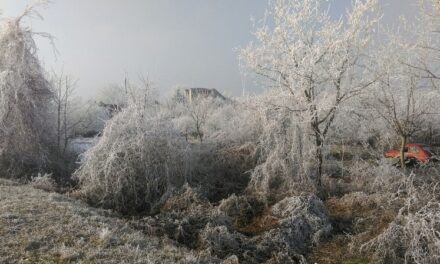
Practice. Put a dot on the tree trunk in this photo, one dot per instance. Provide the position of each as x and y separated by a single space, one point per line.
319 159
319 164
58 101
66 138
66 102
59 126
199 132
403 140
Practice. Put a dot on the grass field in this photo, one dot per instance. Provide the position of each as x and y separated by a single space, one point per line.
41 227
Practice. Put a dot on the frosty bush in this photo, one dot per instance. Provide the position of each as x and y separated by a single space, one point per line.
221 241
186 199
43 182
137 161
413 236
231 260
284 153
303 223
242 209
380 176
234 123
25 95
317 224
222 136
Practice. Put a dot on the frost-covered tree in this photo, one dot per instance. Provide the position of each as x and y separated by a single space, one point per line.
234 122
401 97
285 152
87 120
406 68
427 36
63 99
113 94
25 95
191 117
198 112
313 62
425 41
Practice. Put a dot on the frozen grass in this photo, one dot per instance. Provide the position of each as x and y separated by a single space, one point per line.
41 227
385 216
395 224
414 234
44 182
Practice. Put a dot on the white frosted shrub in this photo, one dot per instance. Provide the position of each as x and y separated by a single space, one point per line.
221 159
24 100
380 176
43 182
234 123
414 235
136 162
191 117
223 122
286 152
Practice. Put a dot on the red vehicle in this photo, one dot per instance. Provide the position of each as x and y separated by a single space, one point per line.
413 152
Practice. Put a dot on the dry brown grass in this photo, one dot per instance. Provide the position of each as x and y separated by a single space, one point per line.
260 224
355 215
41 227
335 252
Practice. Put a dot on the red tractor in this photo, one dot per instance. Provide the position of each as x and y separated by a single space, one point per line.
413 153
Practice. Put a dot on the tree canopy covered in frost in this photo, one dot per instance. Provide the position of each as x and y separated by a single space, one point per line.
195 116
313 63
25 99
401 96
285 152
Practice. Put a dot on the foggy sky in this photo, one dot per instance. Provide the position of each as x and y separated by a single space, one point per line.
191 43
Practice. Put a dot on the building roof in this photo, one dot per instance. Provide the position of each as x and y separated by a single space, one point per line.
190 92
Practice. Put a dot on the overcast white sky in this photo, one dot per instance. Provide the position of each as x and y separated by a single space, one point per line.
190 43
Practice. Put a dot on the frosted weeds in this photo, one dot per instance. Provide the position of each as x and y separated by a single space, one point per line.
136 162
380 177
413 236
215 231
285 154
105 234
220 241
242 209
231 260
43 182
32 229
304 223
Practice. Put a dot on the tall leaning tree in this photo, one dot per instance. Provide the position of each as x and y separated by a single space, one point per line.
25 100
314 60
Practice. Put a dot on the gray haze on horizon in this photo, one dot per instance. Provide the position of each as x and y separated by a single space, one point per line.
191 43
